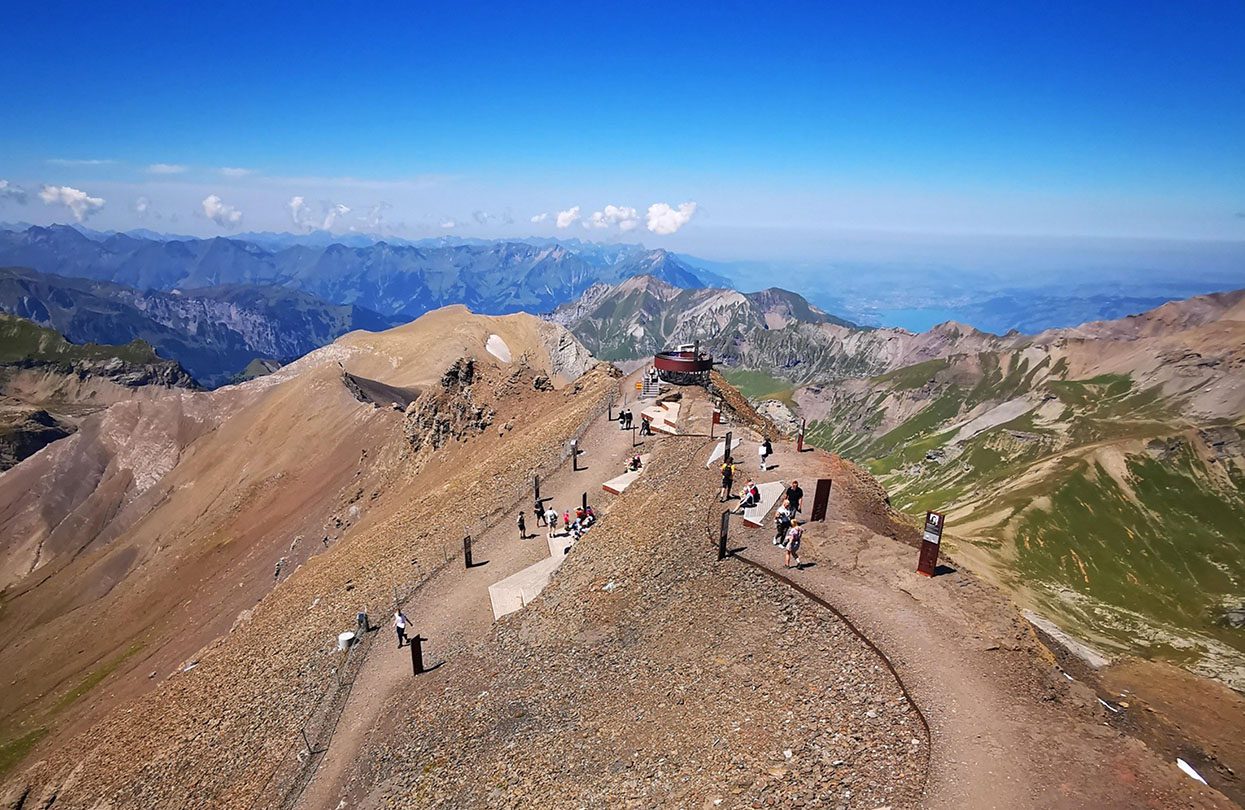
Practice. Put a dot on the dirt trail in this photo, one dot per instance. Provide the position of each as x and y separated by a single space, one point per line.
1007 728
453 609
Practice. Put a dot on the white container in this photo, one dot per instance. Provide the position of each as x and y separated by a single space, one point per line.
344 640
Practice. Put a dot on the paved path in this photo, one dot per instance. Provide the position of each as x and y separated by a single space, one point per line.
453 609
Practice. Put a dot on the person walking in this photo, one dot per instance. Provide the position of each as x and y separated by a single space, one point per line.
794 496
551 520
399 624
728 480
622 419
765 450
539 512
794 535
629 419
522 528
782 522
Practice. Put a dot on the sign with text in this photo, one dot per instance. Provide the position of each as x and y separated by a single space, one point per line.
931 539
821 499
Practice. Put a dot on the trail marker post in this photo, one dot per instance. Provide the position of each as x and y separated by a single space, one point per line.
574 455
821 499
467 550
585 502
536 486
726 454
799 440
931 539
417 654
724 533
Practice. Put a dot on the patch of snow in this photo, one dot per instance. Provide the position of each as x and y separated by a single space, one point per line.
1187 768
498 348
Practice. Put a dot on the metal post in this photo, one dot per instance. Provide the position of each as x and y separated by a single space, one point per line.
536 485
417 654
467 550
799 440
306 741
585 502
574 455
722 535
633 436
726 456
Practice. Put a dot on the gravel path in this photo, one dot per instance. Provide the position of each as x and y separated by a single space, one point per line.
452 609
1008 728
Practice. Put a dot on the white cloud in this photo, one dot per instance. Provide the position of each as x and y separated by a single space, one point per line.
485 217
79 203
375 216
166 168
142 206
221 213
76 162
233 171
8 191
305 218
662 219
448 223
567 218
330 216
541 217
625 218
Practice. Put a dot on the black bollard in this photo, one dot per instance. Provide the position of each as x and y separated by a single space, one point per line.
726 456
585 502
536 485
467 550
417 654
722 535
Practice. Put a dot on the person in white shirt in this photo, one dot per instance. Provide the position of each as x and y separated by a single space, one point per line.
399 624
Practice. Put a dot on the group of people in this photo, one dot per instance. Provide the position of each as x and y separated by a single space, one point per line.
634 463
788 532
625 419
573 523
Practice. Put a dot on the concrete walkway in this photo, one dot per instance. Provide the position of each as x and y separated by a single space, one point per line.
453 607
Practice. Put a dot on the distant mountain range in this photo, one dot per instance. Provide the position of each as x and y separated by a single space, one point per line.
399 280
213 332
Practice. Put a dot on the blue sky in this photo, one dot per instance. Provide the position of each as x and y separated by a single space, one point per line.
787 125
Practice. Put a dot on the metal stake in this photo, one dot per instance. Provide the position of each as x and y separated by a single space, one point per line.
467 550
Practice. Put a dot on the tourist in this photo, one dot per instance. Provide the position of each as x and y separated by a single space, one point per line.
646 427
522 528
765 450
750 497
782 522
628 425
728 479
794 535
566 520
399 624
551 519
539 512
794 496
622 419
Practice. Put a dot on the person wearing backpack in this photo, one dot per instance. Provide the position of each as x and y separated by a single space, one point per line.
794 535
782 522
728 480
522 528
